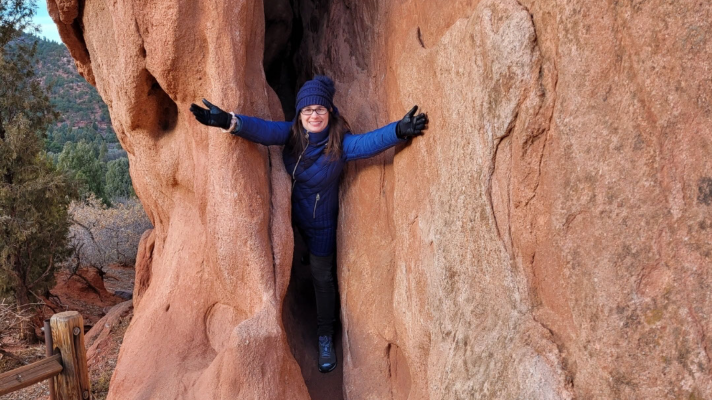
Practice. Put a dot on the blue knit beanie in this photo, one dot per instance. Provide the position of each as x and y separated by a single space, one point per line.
319 91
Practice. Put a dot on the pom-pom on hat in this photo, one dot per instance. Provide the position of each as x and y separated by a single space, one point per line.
319 91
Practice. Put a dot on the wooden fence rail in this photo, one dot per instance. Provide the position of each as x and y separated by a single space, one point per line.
30 374
67 367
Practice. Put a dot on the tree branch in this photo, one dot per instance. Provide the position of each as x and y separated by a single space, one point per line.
44 274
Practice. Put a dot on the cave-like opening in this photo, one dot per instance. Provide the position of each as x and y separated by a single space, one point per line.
291 27
288 64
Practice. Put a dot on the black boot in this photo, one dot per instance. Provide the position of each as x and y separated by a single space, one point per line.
327 355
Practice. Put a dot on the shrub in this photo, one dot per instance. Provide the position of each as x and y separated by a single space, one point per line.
102 235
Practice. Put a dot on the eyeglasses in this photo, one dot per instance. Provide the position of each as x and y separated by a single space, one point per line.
310 111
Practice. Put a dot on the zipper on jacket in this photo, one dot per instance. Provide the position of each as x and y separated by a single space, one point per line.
294 179
317 200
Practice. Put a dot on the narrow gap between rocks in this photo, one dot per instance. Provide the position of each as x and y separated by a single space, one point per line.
288 64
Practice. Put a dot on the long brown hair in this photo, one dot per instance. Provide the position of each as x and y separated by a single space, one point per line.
338 127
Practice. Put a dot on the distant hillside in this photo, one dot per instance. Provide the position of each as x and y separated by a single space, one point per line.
81 141
77 101
82 113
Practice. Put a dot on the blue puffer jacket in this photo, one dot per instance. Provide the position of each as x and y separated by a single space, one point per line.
315 194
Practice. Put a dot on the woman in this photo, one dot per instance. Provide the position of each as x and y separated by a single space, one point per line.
316 145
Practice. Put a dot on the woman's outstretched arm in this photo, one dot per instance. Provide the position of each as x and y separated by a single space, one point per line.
371 143
262 131
253 129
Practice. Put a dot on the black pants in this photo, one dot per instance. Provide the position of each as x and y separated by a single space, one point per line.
325 290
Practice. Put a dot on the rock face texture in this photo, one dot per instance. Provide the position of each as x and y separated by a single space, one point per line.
207 320
548 238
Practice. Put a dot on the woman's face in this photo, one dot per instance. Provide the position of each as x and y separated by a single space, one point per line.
314 118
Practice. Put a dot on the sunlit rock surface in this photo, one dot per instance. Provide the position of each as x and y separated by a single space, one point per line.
548 237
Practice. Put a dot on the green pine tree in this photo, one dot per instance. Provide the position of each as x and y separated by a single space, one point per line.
81 161
103 150
34 196
118 180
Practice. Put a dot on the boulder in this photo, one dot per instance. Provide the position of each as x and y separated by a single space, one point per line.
215 268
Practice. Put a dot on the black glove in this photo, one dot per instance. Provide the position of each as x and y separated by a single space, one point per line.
412 125
213 116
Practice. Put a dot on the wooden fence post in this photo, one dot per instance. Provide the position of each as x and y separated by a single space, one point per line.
49 347
68 337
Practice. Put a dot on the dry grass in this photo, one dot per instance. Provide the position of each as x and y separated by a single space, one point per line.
102 236
12 318
15 355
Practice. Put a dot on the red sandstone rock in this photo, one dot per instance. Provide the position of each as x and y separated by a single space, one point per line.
98 338
547 238
84 292
103 342
209 321
144 258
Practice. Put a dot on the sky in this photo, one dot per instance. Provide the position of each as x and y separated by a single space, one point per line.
47 27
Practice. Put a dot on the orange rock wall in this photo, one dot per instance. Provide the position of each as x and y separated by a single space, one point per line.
547 238
208 312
